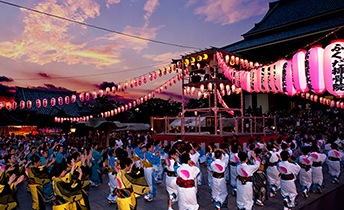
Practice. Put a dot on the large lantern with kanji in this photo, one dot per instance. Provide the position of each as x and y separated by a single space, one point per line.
288 86
279 74
315 69
334 68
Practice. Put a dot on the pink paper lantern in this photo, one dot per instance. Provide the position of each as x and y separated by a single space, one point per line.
112 113
170 82
249 82
145 98
272 79
149 96
101 92
155 76
21 104
333 68
193 90
134 103
266 82
150 76
81 97
126 107
60 101
129 105
288 86
166 86
144 79
299 71
53 101
107 91
38 103
261 79
73 99
279 75
126 85
87 96
67 100
315 69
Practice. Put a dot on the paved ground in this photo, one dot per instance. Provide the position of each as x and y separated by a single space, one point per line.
98 200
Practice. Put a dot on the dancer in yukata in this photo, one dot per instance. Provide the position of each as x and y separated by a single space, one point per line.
333 161
259 178
150 159
317 170
219 189
272 172
289 169
244 181
186 177
171 177
305 163
233 165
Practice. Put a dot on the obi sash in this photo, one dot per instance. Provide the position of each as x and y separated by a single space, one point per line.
244 180
218 175
185 183
287 176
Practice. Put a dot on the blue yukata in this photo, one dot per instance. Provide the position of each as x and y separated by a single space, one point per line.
159 170
47 188
149 161
95 169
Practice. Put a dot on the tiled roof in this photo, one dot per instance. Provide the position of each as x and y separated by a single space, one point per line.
72 109
292 11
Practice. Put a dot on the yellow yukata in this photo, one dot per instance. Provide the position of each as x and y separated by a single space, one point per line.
68 194
8 199
128 187
38 176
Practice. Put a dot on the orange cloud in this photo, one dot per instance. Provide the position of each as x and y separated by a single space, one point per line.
109 2
231 11
46 39
150 7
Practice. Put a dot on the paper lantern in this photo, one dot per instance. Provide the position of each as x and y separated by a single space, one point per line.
201 88
279 75
73 99
161 89
307 95
288 86
112 113
333 68
113 89
104 114
53 101
126 85
81 97
238 75
299 71
134 103
321 100
170 83
60 101
126 107
115 111
150 76
141 100
164 71
67 100
144 79
21 104
129 106
119 110
8 105
312 97
233 88
223 92
210 86
139 81
155 75
222 86
14 105
119 87
316 98
87 96
174 80
94 95
266 82
135 82
159 72
38 103
261 79
272 78
101 92
342 105
107 91
314 67
338 104
193 90
29 104
166 86
249 82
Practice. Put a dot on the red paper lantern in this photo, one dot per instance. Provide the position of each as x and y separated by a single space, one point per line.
135 82
60 100
141 100
125 86
81 97
73 99
145 98
170 82
150 77
299 71
115 111
161 89
149 96
155 75
94 95
144 79
29 104
67 100
112 112
174 80
87 96
53 101
166 86
129 106
333 68
14 106
21 104
153 94
38 103
139 81
134 103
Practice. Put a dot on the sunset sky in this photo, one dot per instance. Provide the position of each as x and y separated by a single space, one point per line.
41 51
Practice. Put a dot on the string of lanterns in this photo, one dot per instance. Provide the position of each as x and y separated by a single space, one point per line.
223 103
204 90
129 105
315 70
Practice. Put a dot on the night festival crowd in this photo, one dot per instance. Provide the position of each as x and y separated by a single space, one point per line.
61 169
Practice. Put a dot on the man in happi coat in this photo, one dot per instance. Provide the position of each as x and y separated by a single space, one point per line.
186 177
219 190
288 169
317 170
244 183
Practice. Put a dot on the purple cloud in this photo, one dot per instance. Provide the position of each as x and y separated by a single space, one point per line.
44 75
104 85
5 79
